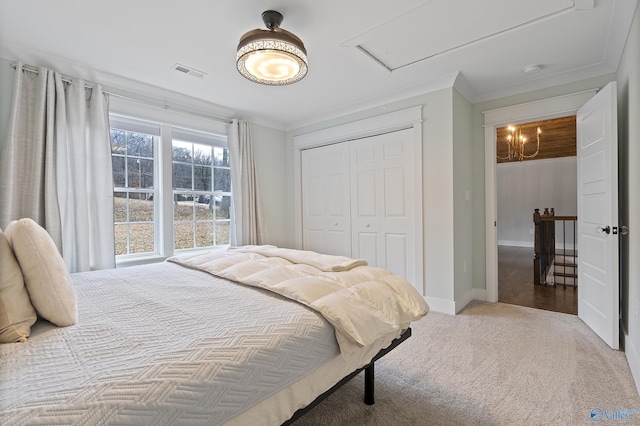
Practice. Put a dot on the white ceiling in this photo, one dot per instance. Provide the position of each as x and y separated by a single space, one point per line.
481 46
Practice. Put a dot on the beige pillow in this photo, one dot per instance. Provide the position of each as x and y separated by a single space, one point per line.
16 313
45 273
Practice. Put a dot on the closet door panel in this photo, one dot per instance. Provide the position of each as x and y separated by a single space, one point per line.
394 193
395 150
315 239
382 177
336 194
396 255
336 243
314 185
325 200
367 243
365 194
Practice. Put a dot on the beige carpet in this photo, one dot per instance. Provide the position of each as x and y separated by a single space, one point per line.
493 364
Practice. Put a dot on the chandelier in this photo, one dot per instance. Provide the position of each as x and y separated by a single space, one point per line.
517 145
273 57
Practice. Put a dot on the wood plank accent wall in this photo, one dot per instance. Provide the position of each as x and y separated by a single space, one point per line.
558 138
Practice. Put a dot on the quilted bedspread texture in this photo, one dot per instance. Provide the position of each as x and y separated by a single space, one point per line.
188 348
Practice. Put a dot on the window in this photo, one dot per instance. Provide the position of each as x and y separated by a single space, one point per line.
172 188
132 154
201 192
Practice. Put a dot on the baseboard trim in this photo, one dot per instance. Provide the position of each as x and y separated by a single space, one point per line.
473 294
479 294
464 301
515 243
441 305
632 358
529 244
453 307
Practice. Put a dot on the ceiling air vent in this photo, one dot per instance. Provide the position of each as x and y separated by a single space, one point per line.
187 70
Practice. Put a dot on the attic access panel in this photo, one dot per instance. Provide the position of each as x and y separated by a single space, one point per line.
440 26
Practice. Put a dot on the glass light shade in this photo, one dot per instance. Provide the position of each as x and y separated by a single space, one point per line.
272 65
268 57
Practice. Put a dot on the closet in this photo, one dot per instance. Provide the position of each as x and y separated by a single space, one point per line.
326 199
360 198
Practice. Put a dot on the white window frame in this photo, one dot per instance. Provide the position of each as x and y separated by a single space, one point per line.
192 137
137 126
168 119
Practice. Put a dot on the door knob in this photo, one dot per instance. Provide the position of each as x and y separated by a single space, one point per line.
606 229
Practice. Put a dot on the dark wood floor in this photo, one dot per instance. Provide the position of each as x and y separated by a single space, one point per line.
515 284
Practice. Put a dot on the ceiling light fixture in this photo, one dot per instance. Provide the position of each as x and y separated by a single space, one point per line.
516 143
274 57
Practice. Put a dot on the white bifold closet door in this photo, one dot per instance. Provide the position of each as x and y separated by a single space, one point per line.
383 228
325 201
359 200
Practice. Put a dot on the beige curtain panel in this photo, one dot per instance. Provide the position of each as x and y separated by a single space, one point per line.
55 165
247 211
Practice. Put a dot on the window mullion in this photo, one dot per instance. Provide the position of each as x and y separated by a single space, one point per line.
128 227
165 224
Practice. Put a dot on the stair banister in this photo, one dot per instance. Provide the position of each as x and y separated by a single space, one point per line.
545 245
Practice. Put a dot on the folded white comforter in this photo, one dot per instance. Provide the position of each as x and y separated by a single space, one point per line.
363 303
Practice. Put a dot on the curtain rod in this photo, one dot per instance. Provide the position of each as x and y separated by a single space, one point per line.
67 79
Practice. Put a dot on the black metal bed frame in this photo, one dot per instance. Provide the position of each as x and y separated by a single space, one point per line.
369 378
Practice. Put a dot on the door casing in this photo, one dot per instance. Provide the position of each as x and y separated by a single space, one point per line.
555 107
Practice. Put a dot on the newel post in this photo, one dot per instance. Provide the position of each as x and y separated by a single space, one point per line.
536 247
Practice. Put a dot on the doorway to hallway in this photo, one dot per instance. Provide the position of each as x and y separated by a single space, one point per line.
516 287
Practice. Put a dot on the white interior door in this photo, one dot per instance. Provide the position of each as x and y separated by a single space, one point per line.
598 288
325 200
382 203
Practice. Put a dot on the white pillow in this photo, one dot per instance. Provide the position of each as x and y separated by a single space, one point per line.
16 313
45 273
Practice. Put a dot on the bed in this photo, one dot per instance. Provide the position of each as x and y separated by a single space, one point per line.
179 342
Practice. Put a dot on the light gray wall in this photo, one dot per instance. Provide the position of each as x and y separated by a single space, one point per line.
462 195
437 202
629 190
524 186
270 155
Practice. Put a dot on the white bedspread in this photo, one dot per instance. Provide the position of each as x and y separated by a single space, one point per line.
162 344
323 262
363 303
